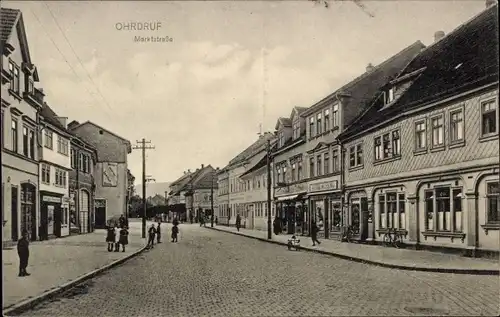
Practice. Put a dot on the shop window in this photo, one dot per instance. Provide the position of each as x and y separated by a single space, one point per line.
355 217
444 209
392 211
336 217
27 207
492 208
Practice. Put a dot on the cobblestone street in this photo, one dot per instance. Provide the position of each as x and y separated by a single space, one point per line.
209 273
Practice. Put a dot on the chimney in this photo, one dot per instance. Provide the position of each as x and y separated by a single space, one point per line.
202 165
438 35
369 68
189 171
489 3
63 121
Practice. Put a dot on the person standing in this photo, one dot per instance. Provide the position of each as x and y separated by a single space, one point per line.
158 233
124 237
175 232
314 233
117 238
24 253
110 237
121 221
151 232
238 222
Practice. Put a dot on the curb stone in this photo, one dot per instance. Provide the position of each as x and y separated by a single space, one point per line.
376 263
32 301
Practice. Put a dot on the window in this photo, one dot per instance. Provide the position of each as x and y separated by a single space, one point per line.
27 207
25 142
396 143
386 143
390 96
48 142
311 167
318 124
278 177
489 117
335 115
296 130
14 72
31 86
336 216
443 209
299 170
378 148
281 139
327 120
437 131
2 127
326 168
284 172
420 136
318 165
84 164
32 144
311 127
492 193
60 177
73 158
62 145
456 126
392 211
293 172
45 174
356 155
14 136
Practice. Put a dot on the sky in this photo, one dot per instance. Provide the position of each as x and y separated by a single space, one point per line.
230 68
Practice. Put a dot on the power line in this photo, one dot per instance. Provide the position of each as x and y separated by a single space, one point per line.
64 58
77 57
141 145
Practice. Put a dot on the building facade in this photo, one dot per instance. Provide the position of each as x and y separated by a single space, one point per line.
431 150
55 165
82 186
21 103
290 176
325 121
205 192
223 196
110 171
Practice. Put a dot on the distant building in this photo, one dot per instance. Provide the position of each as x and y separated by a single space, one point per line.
111 171
21 103
55 165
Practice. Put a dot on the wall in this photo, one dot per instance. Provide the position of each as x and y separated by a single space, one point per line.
411 164
115 196
52 155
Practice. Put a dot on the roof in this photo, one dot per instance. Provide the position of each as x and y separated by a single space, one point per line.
299 110
360 91
286 122
260 164
50 117
74 125
465 59
249 151
9 19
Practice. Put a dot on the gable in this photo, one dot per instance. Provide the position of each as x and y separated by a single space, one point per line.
14 32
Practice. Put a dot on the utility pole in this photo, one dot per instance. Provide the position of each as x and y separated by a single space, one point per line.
141 145
269 231
212 201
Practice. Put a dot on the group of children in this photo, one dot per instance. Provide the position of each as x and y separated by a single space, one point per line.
116 237
156 232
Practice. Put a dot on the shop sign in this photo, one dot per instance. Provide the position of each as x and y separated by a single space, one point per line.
324 186
51 199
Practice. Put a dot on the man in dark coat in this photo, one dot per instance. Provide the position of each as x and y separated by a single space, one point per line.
158 233
238 222
151 232
314 233
24 254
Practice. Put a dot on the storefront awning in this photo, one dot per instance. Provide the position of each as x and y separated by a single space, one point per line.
283 198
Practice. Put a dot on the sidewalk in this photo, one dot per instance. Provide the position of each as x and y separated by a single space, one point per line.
54 263
383 256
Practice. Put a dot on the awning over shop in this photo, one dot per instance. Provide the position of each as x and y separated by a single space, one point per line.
291 197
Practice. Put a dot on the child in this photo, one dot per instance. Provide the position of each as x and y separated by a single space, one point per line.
24 254
110 238
158 233
152 232
175 232
123 237
117 238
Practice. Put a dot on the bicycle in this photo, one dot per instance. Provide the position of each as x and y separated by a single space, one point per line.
346 235
393 238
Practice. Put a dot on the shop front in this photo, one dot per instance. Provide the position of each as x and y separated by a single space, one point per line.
51 215
326 207
291 208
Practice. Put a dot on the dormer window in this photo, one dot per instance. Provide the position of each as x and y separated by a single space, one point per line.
281 138
327 120
311 126
296 130
390 96
318 125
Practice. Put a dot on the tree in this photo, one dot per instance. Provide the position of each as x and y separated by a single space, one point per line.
136 205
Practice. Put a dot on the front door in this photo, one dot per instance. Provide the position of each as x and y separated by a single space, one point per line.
364 218
57 220
290 209
355 218
13 216
100 215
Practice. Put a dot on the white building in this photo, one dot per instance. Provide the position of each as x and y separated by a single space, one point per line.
55 164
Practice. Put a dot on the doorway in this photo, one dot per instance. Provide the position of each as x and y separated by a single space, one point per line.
57 221
100 214
13 216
